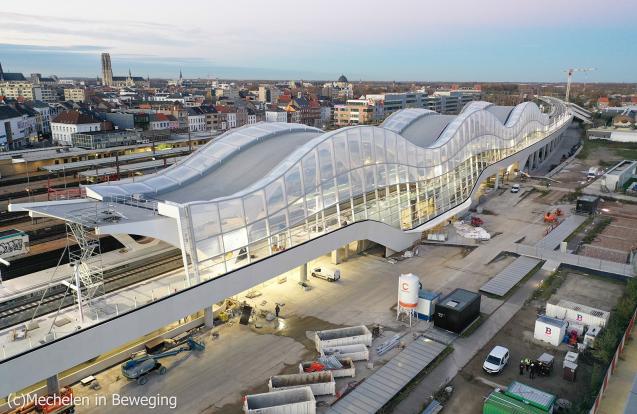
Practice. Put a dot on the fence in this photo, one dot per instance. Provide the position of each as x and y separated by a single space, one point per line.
613 364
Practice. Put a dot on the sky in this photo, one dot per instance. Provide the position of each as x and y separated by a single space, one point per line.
401 40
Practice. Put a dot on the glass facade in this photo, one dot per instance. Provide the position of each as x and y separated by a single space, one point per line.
354 174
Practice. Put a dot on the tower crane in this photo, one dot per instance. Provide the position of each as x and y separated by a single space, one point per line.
570 78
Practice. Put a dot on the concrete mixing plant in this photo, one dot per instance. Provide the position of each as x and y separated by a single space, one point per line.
408 287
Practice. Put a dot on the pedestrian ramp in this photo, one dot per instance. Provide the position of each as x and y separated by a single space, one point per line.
510 276
552 240
380 387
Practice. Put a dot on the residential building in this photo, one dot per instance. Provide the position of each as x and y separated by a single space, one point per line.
228 117
68 123
603 102
213 118
43 118
17 89
357 112
104 139
196 120
17 126
161 121
75 94
276 115
45 93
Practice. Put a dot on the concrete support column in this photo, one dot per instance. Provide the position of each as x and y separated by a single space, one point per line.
497 181
336 256
302 272
53 385
389 252
208 317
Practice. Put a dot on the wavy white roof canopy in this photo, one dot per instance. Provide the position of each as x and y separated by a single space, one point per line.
252 157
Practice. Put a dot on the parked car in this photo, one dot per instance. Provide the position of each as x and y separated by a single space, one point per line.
515 188
496 360
331 275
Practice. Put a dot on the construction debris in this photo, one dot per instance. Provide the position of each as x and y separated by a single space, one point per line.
388 345
469 232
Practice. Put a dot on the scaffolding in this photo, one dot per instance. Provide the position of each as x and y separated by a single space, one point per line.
85 258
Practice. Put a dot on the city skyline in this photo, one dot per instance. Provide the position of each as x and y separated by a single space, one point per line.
457 41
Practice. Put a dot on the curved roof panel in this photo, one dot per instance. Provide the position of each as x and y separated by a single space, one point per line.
272 156
501 112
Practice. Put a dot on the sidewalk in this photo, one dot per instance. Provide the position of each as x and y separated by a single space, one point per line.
622 385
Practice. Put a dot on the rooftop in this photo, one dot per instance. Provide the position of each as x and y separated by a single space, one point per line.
75 117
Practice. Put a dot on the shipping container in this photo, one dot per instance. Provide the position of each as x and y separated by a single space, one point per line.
426 304
551 330
321 383
531 396
348 369
293 401
574 312
587 204
342 336
356 352
13 243
499 403
456 311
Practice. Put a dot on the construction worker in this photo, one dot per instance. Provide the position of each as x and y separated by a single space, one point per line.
521 367
277 309
527 364
532 371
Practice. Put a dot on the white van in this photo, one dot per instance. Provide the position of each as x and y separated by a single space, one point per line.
592 173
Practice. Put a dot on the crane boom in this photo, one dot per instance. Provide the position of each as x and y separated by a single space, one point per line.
569 78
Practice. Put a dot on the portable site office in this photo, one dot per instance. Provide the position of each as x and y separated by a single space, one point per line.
456 311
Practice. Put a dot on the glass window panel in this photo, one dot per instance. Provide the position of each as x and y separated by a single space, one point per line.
390 147
392 172
254 206
278 222
231 212
296 212
325 161
356 181
341 157
314 203
235 239
367 143
310 174
354 147
205 219
258 230
381 175
379 145
208 248
342 182
329 193
293 184
274 196
369 175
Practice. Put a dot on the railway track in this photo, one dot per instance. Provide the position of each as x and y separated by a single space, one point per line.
21 310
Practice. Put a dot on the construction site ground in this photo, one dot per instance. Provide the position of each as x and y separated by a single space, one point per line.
472 385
